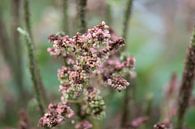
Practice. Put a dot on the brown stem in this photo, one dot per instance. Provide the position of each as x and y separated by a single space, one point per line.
185 90
35 72
82 14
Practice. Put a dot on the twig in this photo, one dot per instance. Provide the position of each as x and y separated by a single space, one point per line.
37 71
82 14
186 87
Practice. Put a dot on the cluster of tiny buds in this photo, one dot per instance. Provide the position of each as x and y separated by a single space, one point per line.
94 103
56 115
87 55
117 65
118 83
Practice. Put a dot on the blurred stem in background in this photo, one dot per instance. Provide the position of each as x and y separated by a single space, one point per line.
5 45
32 68
127 94
127 17
82 15
18 58
108 14
35 73
65 16
186 87
11 50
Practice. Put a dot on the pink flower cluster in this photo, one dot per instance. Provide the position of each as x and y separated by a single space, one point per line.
88 58
55 115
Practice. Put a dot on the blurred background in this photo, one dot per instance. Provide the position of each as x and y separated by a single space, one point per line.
158 35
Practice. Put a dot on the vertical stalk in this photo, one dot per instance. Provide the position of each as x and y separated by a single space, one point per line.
18 67
108 14
186 87
127 18
127 94
125 111
82 15
4 40
35 73
65 16
32 69
81 6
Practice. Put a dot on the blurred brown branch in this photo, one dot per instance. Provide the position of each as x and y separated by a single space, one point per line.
186 87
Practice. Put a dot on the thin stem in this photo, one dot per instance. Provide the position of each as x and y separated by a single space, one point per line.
127 94
32 69
108 14
127 18
35 73
125 113
186 84
18 67
27 19
82 15
83 27
4 41
65 16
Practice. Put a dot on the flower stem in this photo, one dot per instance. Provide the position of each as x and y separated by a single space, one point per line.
186 84
83 27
